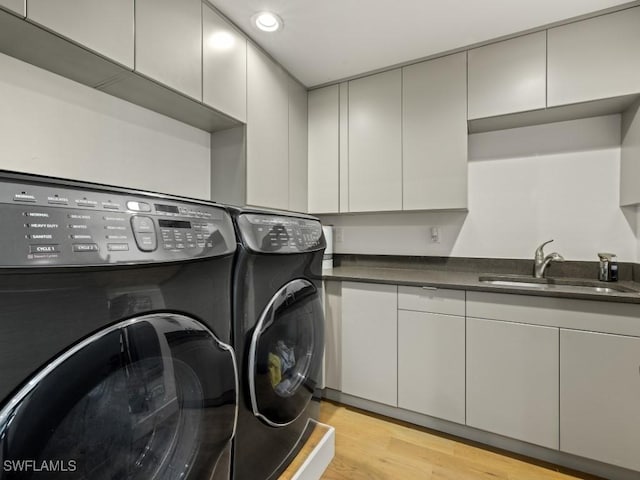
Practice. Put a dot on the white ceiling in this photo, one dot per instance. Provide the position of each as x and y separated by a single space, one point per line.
328 40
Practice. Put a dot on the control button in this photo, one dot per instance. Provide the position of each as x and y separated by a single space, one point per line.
110 206
201 244
24 197
80 237
75 216
41 225
168 246
180 246
40 236
86 203
75 226
191 245
36 214
139 206
142 224
115 227
113 219
44 248
116 237
117 247
146 241
85 247
55 200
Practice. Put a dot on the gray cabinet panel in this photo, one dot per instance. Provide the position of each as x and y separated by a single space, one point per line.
169 43
298 146
508 77
369 341
434 134
375 142
324 159
224 65
267 132
600 397
104 27
594 58
630 156
431 367
512 380
18 6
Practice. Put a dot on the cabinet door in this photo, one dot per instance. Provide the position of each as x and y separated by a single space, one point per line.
105 27
434 134
630 156
600 397
324 159
431 367
224 65
267 132
512 380
169 43
595 58
508 77
375 142
298 146
18 6
369 341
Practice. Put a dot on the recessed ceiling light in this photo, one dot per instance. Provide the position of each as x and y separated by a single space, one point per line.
267 21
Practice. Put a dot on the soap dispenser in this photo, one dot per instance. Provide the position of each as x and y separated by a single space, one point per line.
608 271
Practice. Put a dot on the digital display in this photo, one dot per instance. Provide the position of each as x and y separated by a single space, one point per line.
166 208
173 224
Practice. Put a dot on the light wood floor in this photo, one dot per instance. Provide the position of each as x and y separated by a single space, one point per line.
373 447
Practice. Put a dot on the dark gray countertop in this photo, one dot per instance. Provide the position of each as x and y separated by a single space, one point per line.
460 280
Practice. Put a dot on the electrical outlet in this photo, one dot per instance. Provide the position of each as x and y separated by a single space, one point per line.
435 235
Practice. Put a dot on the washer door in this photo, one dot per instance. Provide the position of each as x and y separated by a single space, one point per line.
285 355
150 398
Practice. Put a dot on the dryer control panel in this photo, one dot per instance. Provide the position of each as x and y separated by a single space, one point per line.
280 234
50 223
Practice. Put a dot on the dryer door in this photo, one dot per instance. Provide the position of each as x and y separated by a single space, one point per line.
285 355
150 398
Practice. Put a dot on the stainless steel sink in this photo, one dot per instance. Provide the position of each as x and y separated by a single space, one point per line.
554 285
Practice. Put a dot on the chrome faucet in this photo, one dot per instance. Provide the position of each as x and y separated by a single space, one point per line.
541 262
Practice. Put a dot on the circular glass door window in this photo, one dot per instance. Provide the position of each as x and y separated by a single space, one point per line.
152 398
285 354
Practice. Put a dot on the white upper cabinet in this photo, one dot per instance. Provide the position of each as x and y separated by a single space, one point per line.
600 397
298 146
434 134
375 142
169 43
224 65
104 27
267 132
18 6
508 77
630 156
595 58
324 159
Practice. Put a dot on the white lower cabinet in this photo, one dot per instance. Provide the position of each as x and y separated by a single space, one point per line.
512 380
431 367
369 351
600 397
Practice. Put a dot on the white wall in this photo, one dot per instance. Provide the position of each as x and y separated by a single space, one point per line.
54 126
526 185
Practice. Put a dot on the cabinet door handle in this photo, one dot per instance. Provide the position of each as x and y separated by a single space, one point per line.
430 288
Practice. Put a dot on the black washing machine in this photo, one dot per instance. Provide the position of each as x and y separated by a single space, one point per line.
279 338
115 331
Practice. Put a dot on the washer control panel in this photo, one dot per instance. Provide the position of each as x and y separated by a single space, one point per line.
58 224
280 234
